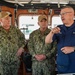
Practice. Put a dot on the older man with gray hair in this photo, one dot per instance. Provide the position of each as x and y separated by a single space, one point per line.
12 42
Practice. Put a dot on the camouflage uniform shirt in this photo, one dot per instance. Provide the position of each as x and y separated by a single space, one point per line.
10 42
36 45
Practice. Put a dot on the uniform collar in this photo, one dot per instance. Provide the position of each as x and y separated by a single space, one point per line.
45 32
72 26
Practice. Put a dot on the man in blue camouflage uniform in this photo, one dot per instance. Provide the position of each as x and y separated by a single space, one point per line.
12 42
42 54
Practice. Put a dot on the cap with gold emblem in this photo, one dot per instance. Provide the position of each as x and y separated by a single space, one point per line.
4 14
41 17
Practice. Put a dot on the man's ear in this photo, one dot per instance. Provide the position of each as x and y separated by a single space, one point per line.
38 23
0 21
1 24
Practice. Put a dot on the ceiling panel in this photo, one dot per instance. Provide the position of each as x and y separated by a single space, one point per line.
40 1
36 4
23 1
54 1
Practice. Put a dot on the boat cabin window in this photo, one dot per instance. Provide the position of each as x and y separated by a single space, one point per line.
56 20
27 24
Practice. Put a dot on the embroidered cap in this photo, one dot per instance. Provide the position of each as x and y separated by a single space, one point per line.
41 17
4 14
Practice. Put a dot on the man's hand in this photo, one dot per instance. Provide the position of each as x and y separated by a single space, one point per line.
19 52
40 57
67 49
55 30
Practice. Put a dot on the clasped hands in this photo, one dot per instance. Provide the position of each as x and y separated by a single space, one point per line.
40 57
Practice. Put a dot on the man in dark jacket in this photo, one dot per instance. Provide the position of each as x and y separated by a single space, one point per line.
65 37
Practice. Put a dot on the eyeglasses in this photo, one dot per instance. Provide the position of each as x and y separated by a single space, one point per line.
65 13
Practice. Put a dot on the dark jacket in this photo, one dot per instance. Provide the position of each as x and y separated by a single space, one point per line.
66 37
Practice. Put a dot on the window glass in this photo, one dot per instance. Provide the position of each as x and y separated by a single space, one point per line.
27 24
56 20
